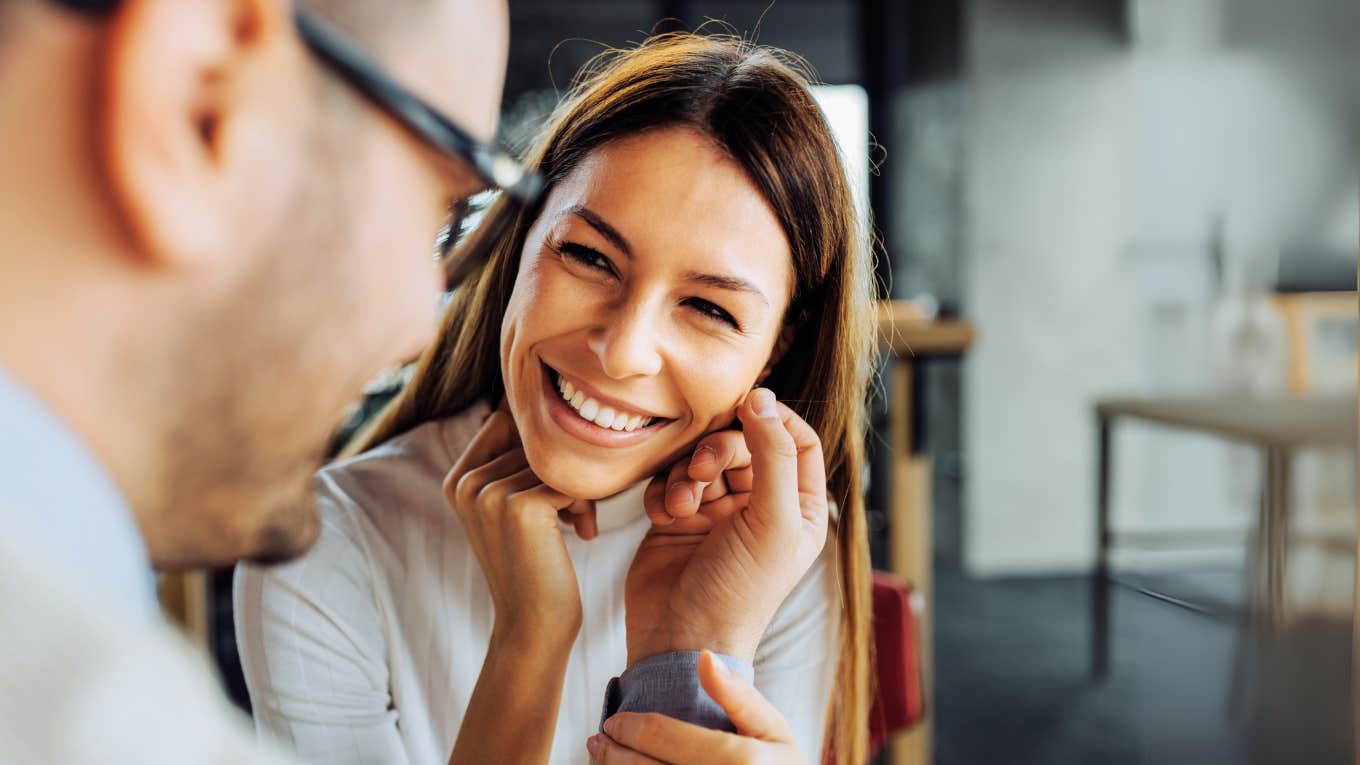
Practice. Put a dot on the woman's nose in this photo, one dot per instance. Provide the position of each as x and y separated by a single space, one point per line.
627 345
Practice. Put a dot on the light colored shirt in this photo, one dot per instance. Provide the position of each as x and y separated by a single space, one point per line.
88 672
367 649
53 487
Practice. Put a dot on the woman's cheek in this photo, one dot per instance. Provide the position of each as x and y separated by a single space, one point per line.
714 398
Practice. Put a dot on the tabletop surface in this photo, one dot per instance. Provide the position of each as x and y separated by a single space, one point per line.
1277 420
906 333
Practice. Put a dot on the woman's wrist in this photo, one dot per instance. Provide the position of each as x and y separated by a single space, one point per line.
731 642
539 639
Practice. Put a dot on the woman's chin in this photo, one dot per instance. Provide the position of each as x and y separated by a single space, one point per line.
584 483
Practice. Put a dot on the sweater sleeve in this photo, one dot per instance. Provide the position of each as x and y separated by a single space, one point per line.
797 657
669 684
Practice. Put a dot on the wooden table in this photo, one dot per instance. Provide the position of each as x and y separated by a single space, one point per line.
908 337
1277 425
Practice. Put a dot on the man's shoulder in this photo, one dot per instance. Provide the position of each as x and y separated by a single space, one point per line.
82 681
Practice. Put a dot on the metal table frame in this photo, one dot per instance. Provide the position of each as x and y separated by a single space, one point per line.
1271 427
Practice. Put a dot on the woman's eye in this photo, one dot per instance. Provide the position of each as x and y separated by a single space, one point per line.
586 256
712 311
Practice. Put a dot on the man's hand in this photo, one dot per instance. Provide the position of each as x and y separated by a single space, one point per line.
762 736
715 578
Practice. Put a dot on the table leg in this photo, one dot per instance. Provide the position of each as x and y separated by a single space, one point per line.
1248 647
1100 577
910 551
1276 535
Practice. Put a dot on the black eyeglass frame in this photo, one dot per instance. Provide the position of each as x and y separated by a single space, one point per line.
495 166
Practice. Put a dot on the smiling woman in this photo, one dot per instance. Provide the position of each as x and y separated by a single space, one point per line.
696 239
654 283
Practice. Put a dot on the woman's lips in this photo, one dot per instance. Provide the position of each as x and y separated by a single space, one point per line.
566 418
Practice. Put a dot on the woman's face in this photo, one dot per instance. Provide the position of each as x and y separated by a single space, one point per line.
649 298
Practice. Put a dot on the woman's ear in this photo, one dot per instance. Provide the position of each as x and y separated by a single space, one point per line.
781 346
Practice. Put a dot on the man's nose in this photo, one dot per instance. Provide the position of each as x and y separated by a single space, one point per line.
628 343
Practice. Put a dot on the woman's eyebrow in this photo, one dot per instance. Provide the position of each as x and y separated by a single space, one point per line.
599 224
719 281
724 282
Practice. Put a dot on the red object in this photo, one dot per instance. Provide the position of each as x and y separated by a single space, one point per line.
899 698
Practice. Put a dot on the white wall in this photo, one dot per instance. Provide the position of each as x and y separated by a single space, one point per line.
1094 168
1046 215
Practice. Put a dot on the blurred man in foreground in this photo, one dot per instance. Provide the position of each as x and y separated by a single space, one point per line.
208 242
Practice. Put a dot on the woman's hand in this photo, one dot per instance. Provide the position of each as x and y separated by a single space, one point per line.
714 579
510 519
715 477
762 736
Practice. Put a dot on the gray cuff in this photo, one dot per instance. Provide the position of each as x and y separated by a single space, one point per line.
669 683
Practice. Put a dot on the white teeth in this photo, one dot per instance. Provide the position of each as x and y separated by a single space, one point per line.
604 416
589 409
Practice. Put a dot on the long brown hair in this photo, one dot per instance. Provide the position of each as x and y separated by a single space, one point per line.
755 104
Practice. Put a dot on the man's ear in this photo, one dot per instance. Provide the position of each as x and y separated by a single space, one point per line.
172 87
781 346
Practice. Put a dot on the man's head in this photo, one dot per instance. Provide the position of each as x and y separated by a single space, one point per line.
211 242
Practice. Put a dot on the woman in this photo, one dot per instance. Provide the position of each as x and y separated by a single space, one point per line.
696 239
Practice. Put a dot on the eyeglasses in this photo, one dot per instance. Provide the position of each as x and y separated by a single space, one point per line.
345 57
496 167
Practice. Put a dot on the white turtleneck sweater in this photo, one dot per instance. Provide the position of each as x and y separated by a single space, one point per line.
367 649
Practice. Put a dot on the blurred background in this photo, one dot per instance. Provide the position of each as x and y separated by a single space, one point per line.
1114 440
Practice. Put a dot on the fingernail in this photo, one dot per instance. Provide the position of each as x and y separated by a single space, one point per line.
703 455
721 666
679 494
762 402
718 664
610 726
593 744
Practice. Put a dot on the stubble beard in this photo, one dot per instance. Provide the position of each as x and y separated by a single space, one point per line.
262 394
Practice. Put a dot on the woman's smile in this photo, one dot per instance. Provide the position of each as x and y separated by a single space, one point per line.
596 419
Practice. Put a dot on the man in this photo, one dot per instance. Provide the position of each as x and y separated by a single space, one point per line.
209 239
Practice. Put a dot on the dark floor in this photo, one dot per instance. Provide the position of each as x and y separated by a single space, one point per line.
1013 684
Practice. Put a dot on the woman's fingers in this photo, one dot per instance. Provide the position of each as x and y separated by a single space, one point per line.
497 436
717 453
738 480
774 459
682 495
536 494
717 458
724 506
787 454
751 712
719 465
654 501
581 515
465 492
